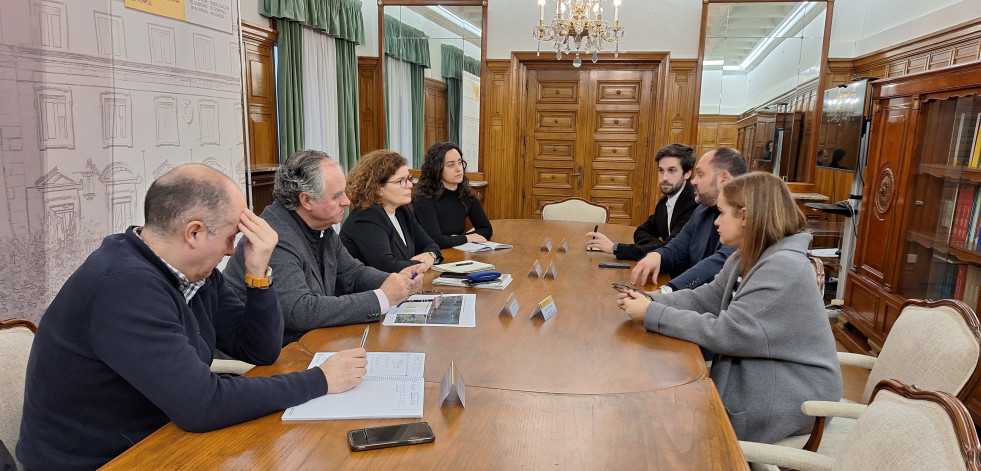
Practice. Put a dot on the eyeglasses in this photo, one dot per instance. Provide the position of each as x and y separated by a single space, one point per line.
403 182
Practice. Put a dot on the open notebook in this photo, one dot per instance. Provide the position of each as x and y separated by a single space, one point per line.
391 389
482 246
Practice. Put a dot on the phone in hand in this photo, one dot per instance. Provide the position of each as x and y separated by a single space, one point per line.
390 435
623 288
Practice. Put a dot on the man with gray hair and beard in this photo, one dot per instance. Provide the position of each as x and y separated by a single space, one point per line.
319 284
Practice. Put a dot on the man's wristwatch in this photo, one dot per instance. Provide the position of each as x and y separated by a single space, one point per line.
261 283
666 289
436 258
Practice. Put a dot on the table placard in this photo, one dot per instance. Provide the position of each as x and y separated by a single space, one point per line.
536 269
563 247
510 306
552 272
546 308
546 246
452 387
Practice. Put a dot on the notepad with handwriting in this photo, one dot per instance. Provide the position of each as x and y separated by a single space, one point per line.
482 246
392 388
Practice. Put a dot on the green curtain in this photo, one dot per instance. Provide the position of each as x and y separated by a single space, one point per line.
339 18
453 63
406 43
348 120
289 87
418 115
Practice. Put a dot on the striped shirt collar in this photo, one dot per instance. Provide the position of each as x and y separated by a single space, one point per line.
186 287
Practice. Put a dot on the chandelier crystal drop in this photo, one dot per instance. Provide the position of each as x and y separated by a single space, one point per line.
579 27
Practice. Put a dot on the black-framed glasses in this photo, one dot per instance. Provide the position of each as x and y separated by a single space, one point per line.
403 182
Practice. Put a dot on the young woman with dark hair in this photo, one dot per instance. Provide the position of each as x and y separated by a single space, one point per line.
444 200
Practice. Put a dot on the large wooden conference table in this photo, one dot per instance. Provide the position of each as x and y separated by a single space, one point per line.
587 389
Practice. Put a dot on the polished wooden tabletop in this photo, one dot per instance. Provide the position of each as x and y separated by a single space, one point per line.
587 389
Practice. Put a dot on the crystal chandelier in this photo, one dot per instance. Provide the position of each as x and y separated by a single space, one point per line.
578 25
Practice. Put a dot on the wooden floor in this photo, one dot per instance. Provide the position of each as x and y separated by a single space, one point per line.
854 379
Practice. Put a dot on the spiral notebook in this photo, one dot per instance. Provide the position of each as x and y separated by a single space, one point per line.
392 388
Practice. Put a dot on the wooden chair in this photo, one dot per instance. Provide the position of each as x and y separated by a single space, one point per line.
16 338
575 209
934 345
903 428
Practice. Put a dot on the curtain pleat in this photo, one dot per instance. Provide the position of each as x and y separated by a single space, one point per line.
348 120
320 92
405 42
418 84
398 79
338 18
454 108
289 87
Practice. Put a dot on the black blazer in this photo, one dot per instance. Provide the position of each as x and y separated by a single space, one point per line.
653 233
369 236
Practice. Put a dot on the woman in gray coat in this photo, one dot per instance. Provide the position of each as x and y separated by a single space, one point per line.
763 314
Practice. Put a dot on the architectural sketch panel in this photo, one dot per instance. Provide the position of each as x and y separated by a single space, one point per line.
54 113
50 24
165 112
204 53
110 35
162 48
117 120
208 122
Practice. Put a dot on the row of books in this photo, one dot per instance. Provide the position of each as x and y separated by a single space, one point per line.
966 226
958 281
966 148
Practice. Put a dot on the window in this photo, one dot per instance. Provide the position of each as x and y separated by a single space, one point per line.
161 44
110 36
50 24
204 53
208 119
165 109
54 113
117 120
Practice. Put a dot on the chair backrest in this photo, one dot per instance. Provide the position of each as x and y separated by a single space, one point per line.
933 345
575 209
905 428
16 338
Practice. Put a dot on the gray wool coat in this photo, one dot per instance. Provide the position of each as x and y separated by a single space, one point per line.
771 334
310 299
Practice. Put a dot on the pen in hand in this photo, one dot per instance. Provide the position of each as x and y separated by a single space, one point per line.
595 229
364 337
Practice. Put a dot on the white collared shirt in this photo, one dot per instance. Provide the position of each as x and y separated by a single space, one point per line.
669 204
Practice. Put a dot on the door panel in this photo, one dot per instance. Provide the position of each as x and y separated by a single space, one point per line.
589 138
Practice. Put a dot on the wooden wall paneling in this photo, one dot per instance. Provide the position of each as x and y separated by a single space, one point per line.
436 122
716 131
370 107
680 103
260 89
502 153
945 48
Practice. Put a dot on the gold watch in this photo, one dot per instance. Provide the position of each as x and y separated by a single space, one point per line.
261 283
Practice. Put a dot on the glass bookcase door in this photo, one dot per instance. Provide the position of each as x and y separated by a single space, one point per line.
942 258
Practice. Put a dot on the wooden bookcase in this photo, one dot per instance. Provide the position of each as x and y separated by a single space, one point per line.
920 192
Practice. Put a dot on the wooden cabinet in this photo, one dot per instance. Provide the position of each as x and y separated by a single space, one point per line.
918 233
260 87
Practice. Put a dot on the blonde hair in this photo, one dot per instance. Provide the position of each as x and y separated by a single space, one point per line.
370 173
771 213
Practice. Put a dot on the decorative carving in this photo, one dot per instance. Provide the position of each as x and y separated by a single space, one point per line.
884 191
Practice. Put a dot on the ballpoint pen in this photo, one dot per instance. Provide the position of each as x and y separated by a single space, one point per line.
460 264
364 337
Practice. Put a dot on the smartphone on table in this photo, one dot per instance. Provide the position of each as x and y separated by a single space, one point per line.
390 435
624 288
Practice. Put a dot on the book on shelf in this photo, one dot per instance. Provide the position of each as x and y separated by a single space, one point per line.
392 388
976 146
962 216
957 134
972 286
948 203
972 224
961 279
482 246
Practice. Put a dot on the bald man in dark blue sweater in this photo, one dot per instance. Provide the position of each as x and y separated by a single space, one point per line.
126 345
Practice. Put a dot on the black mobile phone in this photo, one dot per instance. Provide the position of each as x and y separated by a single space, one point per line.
614 265
623 288
390 435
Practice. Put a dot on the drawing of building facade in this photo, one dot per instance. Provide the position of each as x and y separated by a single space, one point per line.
96 101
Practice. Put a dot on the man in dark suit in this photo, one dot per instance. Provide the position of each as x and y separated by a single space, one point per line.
674 166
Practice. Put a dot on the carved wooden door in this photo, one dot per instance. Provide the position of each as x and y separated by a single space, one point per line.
587 136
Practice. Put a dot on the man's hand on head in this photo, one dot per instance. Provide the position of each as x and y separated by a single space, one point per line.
261 240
